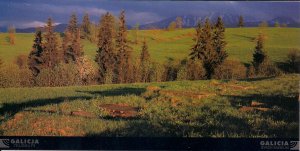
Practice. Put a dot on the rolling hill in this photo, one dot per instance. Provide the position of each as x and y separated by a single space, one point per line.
230 20
176 44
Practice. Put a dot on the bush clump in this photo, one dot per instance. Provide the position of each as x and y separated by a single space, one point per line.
230 69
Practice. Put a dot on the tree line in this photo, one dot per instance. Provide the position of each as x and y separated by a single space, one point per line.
59 60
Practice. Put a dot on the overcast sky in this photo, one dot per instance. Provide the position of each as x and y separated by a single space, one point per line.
31 13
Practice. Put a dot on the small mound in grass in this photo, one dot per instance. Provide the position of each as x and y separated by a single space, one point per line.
120 110
186 94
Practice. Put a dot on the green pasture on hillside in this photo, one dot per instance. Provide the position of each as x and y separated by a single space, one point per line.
176 44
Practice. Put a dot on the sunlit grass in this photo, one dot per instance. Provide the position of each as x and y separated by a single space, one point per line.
176 44
24 111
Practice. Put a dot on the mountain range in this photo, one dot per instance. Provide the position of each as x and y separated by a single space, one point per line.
230 20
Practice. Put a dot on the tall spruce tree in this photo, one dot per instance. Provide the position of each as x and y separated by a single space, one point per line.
76 45
71 42
219 42
105 57
34 58
197 48
123 52
241 21
72 26
86 26
51 52
204 50
145 63
259 55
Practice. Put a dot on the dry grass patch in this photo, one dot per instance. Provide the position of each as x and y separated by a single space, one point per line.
120 110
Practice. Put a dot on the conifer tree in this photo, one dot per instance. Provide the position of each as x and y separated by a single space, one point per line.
197 50
145 63
259 55
51 55
219 42
123 51
72 26
204 50
34 58
241 21
71 43
67 46
86 26
105 57
76 45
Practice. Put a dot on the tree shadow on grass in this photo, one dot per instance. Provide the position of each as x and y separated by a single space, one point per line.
12 108
258 79
117 92
136 128
144 128
283 107
289 103
205 125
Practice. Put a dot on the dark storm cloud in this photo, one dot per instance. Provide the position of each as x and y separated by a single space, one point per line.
24 13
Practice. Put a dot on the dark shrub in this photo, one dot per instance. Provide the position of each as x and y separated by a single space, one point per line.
293 61
267 69
230 69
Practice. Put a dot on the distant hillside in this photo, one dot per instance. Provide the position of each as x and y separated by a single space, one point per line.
57 28
230 20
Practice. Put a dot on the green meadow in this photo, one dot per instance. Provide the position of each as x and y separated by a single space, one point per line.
259 107
254 108
176 44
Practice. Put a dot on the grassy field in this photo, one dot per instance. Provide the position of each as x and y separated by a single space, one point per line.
206 108
262 107
176 44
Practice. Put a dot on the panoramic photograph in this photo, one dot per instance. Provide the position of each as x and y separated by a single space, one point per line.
188 69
